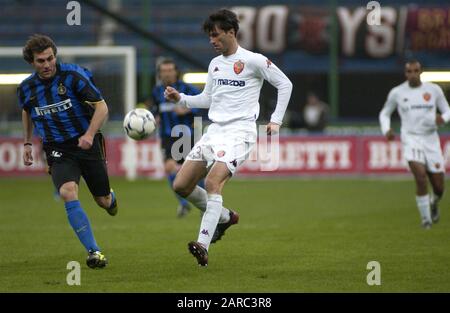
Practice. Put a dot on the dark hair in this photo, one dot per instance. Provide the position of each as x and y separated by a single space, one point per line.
412 61
36 44
223 19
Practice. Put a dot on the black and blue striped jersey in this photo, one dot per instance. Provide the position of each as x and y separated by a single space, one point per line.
58 106
165 109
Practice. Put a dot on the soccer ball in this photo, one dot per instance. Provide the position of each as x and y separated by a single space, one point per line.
139 124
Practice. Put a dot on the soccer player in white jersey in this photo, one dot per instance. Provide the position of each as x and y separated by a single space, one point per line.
416 103
231 93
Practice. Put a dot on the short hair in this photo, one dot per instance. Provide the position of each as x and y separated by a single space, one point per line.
223 19
167 61
36 44
412 61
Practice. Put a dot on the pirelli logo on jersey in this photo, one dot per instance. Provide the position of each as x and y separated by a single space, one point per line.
229 82
54 108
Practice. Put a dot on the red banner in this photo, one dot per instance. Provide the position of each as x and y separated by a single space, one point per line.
294 155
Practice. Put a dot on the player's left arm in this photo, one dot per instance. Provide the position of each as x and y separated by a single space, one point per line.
442 105
89 94
279 80
99 117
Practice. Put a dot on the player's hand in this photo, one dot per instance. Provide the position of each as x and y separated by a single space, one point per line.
439 120
390 135
27 155
171 94
181 110
85 141
272 129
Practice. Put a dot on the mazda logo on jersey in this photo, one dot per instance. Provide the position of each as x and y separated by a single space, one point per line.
229 82
238 67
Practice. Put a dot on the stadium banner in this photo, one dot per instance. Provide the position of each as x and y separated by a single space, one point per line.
297 156
369 31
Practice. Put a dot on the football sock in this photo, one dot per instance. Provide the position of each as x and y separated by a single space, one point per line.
423 203
199 198
171 178
80 224
435 198
210 219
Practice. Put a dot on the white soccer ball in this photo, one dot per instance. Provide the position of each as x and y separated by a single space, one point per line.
139 124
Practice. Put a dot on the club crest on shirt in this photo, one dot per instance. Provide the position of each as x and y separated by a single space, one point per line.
427 96
437 165
221 153
238 67
268 62
61 90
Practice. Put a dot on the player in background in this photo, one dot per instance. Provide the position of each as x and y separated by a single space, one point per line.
231 93
169 116
417 103
62 102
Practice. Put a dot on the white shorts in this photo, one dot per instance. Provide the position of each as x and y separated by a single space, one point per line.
228 143
425 149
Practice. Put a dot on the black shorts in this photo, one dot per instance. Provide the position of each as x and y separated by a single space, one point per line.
67 162
166 147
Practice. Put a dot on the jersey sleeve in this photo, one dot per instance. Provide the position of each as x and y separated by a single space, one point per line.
385 114
442 104
85 87
265 69
192 91
202 100
21 99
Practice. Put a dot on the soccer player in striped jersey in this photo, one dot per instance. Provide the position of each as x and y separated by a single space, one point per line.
170 116
67 110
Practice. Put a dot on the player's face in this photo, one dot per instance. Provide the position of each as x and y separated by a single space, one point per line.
221 40
45 63
412 73
168 73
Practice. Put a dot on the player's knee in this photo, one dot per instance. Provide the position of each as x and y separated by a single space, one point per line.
69 191
212 186
438 190
181 188
421 180
170 166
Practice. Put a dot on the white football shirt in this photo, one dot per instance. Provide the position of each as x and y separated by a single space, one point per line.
416 107
233 86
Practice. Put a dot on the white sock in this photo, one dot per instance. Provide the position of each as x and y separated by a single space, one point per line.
435 198
423 203
210 219
199 198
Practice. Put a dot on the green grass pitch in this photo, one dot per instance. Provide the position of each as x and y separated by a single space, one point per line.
293 236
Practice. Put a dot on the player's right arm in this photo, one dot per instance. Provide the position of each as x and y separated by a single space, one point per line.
27 127
385 116
27 134
201 101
